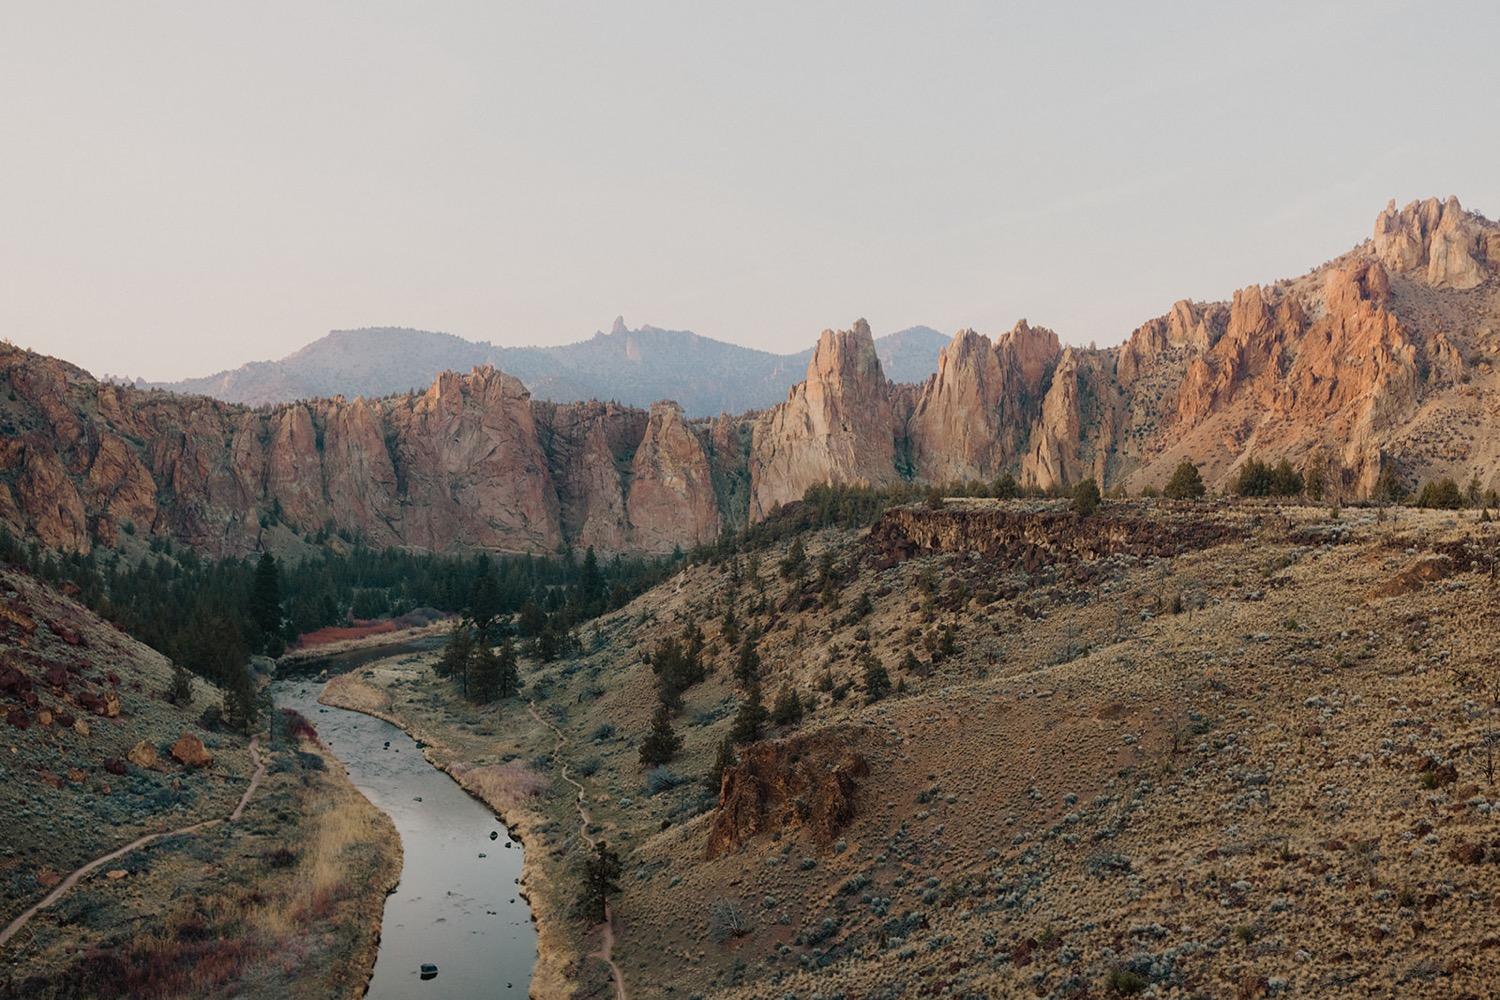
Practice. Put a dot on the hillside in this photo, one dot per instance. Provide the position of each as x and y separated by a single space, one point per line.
1208 750
100 759
635 367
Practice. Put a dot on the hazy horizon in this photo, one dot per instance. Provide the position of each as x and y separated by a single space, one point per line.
189 189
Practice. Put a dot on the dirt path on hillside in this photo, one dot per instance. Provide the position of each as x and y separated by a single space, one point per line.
607 937
68 883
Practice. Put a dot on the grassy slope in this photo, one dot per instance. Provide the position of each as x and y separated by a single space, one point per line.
1229 800
296 888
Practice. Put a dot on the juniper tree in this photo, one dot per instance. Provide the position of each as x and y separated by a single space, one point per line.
750 720
601 880
747 668
662 742
1186 482
877 681
788 708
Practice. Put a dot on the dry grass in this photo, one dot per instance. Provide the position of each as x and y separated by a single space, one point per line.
348 691
503 786
275 926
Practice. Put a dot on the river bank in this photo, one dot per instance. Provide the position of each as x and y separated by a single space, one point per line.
465 744
457 906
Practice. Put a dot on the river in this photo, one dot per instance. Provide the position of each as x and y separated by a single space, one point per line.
458 905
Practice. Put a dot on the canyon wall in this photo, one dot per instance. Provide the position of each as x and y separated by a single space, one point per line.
1379 365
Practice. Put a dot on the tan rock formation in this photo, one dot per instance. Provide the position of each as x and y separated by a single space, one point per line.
672 500
971 419
837 427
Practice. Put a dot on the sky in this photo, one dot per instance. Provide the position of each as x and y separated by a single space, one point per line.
185 187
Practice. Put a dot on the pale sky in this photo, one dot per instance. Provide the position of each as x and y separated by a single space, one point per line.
185 187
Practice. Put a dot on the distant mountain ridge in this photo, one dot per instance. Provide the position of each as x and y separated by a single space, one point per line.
635 367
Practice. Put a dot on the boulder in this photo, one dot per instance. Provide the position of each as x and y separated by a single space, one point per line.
190 751
143 754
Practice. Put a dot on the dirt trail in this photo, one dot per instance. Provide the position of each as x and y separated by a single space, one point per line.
607 937
68 883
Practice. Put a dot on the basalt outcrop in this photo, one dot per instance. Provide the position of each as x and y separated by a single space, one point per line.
807 783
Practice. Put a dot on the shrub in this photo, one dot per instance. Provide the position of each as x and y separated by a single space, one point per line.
1186 482
1086 498
1442 495
1124 982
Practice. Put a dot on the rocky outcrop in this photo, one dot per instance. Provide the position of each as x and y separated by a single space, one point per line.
806 783
1377 366
672 501
972 417
1439 242
839 426
472 463
189 751
1032 539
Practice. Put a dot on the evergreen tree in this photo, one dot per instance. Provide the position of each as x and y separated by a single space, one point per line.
265 604
601 880
1186 482
877 681
181 693
241 703
1086 498
910 663
795 564
485 671
747 668
788 708
509 680
723 761
661 743
590 582
484 605
458 656
750 721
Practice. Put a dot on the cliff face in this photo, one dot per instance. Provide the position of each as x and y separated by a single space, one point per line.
1382 361
472 463
839 426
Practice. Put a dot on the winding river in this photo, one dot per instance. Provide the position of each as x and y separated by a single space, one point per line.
458 905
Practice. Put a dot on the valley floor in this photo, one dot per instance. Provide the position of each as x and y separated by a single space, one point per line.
1192 750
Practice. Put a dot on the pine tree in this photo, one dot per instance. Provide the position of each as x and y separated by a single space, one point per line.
265 604
484 604
485 671
788 708
877 681
182 685
661 743
601 879
458 656
241 703
750 721
509 680
723 761
747 669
